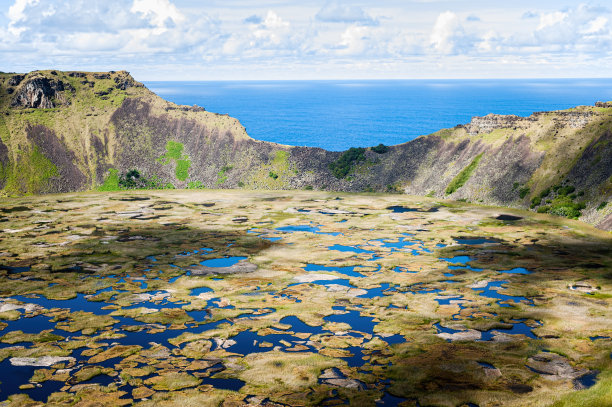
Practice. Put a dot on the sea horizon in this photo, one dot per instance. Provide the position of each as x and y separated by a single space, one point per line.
339 114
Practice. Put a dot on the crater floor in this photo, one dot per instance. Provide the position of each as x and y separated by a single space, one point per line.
299 298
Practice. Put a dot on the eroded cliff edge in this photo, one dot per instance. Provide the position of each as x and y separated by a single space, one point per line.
73 131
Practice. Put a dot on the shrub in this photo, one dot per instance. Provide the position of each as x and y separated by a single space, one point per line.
308 188
393 189
545 193
523 192
131 180
602 205
380 149
565 206
566 190
343 165
273 175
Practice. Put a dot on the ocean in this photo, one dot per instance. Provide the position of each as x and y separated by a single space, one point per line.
336 115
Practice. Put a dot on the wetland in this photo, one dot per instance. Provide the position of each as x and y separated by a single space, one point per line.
162 298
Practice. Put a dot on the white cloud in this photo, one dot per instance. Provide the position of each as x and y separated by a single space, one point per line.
584 27
354 40
16 13
159 12
320 37
262 35
448 35
334 12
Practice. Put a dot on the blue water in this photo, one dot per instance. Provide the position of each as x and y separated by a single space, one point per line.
337 115
223 261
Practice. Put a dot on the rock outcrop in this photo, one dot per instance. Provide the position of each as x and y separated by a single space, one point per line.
490 122
41 93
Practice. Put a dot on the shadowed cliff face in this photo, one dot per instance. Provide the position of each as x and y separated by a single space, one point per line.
107 121
512 160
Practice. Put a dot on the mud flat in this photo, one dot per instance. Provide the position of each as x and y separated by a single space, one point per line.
160 298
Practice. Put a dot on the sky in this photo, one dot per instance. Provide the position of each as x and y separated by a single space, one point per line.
309 39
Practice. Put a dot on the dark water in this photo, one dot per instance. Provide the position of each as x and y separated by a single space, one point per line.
336 115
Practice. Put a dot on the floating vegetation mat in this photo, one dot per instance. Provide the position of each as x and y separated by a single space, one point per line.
312 298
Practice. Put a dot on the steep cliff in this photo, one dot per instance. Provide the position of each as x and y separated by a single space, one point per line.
70 131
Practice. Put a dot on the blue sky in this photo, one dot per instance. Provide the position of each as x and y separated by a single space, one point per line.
309 39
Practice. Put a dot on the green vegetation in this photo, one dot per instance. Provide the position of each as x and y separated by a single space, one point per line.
111 182
195 185
345 163
602 205
597 396
43 169
275 174
463 176
174 152
560 201
131 179
30 175
393 189
172 226
222 175
563 206
182 169
380 149
523 192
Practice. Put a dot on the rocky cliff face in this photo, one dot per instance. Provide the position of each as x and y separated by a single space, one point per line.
67 131
492 122
39 92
